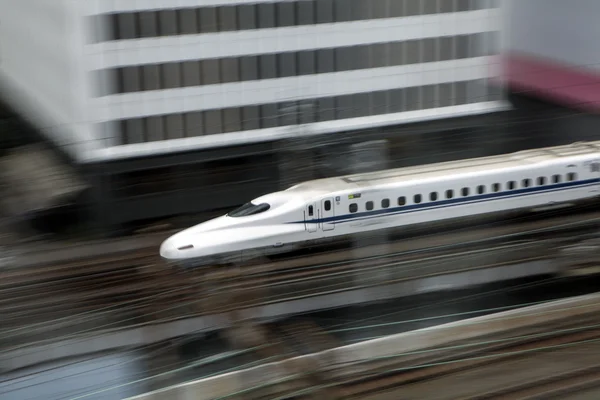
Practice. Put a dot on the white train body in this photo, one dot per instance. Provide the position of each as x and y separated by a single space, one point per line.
326 208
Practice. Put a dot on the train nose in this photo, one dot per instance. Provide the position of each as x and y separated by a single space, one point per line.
168 249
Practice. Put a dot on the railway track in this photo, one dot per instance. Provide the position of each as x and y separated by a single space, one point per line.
430 256
543 352
550 365
547 361
134 287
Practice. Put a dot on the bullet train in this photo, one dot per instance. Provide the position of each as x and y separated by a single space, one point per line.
323 209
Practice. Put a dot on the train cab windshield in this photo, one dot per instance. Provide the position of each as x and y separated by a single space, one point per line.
249 209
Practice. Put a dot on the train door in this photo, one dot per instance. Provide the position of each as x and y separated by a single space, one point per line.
327 223
310 216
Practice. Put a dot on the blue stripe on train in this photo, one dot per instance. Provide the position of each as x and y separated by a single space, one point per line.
454 202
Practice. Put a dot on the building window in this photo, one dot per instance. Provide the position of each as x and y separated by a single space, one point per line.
171 75
193 124
208 20
188 21
305 12
232 119
190 73
230 70
228 18
210 72
305 62
247 16
148 22
259 116
250 118
265 15
167 23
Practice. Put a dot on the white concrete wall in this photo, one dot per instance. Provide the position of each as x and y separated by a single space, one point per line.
565 31
41 71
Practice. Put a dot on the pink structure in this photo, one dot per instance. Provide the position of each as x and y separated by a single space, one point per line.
551 51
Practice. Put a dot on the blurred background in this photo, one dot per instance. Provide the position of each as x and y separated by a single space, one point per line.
138 111
119 117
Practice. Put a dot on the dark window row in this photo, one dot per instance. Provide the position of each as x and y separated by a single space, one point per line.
466 191
210 122
264 15
279 65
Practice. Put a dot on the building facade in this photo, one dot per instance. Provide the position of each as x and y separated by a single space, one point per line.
115 82
109 78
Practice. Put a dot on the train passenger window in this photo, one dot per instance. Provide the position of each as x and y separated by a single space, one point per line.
464 191
481 189
433 196
496 187
311 211
449 194
385 203
401 200
327 205
571 176
417 198
526 183
353 207
556 179
512 185
369 205
541 180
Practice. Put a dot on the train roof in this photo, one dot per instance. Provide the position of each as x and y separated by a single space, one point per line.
428 171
